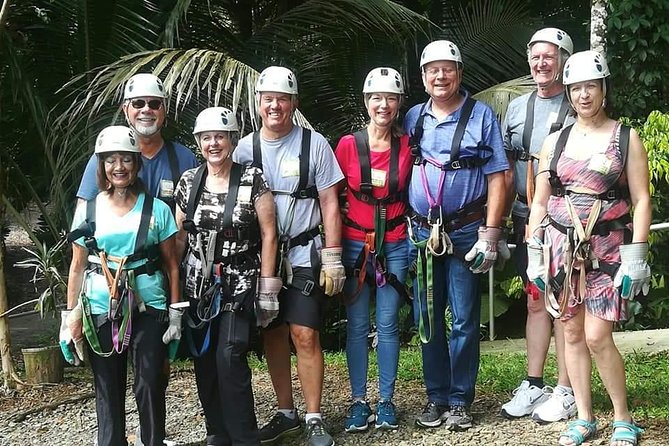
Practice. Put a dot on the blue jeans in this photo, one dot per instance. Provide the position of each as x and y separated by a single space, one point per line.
450 367
388 303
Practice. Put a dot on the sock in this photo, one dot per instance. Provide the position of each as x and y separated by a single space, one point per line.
309 416
289 413
536 381
361 399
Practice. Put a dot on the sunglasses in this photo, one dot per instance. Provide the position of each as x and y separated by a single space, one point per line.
154 104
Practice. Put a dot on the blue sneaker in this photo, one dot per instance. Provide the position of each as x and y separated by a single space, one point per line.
385 415
358 417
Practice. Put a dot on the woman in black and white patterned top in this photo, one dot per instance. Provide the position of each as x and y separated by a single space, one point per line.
227 237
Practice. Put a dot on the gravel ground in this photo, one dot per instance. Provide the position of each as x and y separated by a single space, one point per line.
74 423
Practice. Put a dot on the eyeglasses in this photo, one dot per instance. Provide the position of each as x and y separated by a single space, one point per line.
448 71
154 104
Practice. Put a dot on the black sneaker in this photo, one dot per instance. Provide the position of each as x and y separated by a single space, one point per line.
279 426
459 419
317 435
433 415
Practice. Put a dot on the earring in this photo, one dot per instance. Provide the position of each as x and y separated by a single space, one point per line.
604 103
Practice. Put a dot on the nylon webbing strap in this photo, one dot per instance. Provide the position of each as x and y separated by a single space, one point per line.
562 115
174 162
257 153
529 121
196 191
144 223
304 161
233 190
424 275
465 114
414 140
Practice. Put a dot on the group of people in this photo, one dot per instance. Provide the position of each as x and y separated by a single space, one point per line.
256 237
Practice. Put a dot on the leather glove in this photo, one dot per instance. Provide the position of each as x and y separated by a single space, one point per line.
633 276
174 328
484 252
72 352
333 274
267 305
536 270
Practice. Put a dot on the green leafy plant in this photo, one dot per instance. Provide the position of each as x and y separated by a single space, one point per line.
48 262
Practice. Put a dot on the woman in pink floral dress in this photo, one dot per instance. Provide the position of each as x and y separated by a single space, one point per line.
587 253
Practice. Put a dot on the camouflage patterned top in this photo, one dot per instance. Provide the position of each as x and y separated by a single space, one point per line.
209 217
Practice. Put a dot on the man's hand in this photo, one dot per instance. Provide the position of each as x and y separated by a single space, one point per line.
333 274
484 252
267 306
633 276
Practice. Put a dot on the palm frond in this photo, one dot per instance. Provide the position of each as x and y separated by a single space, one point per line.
499 96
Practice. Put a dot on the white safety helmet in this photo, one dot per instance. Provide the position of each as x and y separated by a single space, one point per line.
383 80
116 138
440 50
278 79
585 66
555 36
216 119
143 85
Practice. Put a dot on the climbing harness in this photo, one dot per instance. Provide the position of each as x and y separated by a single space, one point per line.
303 192
212 291
123 295
438 242
524 154
373 249
576 245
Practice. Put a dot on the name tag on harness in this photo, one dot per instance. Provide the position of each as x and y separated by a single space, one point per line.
244 194
600 163
378 178
166 189
290 168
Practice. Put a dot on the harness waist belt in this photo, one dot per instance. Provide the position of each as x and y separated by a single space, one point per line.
450 224
161 316
390 224
304 238
148 268
601 228
306 286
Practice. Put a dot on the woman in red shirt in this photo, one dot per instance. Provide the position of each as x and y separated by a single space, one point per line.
376 162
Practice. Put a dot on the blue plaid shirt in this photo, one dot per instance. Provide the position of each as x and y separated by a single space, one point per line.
460 186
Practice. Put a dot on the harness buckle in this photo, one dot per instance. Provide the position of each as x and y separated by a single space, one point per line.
366 189
611 194
302 194
308 287
435 219
455 165
228 307
522 155
229 233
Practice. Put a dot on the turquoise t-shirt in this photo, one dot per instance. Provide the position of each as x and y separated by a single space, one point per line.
116 236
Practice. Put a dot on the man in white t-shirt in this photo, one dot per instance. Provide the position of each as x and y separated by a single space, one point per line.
301 169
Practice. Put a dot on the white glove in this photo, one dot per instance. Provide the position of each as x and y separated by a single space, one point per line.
503 254
267 305
174 328
633 276
484 251
536 270
333 274
72 351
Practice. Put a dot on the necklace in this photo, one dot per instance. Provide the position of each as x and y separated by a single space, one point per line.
583 130
218 172
121 192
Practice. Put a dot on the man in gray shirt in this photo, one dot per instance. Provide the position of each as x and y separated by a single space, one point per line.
529 119
303 173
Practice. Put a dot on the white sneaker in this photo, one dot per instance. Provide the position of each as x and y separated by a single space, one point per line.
560 406
525 399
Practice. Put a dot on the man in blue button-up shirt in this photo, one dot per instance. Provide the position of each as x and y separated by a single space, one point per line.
460 166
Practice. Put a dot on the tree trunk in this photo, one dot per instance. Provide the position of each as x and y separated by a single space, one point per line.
598 25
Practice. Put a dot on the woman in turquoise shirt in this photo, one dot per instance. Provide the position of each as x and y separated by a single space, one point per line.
123 241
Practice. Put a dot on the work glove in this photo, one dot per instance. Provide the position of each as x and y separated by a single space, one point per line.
536 270
633 276
503 254
333 274
174 328
267 305
73 351
484 252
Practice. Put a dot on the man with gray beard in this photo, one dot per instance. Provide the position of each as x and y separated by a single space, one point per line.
163 162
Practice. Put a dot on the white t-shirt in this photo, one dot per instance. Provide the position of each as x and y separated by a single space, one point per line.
281 167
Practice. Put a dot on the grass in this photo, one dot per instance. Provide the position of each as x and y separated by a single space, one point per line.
500 373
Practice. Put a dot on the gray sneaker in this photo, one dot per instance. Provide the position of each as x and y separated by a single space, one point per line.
433 415
317 435
459 419
279 426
